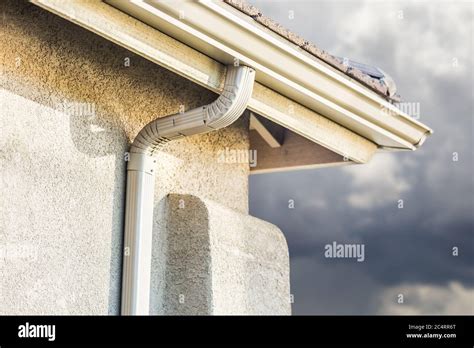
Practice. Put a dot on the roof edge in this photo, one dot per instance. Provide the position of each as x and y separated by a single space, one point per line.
362 78
334 111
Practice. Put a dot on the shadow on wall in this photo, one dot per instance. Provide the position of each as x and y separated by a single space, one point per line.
211 259
53 66
181 283
99 137
59 65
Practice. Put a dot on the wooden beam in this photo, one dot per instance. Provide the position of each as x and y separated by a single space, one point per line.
271 132
295 153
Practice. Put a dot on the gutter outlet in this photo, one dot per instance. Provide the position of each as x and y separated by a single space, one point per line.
139 205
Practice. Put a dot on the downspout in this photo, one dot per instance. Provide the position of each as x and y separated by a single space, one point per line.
139 203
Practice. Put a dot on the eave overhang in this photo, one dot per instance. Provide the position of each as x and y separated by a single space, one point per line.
197 39
224 33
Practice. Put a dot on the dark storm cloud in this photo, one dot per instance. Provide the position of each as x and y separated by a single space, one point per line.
407 249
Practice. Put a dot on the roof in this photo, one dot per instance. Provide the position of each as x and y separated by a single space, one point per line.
348 67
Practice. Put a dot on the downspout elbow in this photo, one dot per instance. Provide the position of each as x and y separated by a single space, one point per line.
226 109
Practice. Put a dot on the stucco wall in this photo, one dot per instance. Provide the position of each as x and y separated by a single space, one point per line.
70 103
220 261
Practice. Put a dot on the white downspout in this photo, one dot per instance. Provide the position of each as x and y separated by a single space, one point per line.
139 203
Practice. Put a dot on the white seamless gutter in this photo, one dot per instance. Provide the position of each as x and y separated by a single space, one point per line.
139 203
224 33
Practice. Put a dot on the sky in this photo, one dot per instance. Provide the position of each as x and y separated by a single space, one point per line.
427 48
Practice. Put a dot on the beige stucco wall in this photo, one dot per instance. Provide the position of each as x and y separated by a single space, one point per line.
240 262
69 107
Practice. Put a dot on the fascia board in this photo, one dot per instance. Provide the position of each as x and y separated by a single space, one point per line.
142 39
223 33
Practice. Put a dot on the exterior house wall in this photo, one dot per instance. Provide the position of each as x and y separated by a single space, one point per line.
70 103
237 258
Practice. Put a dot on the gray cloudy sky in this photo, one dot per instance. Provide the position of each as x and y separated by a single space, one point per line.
408 251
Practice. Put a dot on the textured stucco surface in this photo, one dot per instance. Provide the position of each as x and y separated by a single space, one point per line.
220 261
69 107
